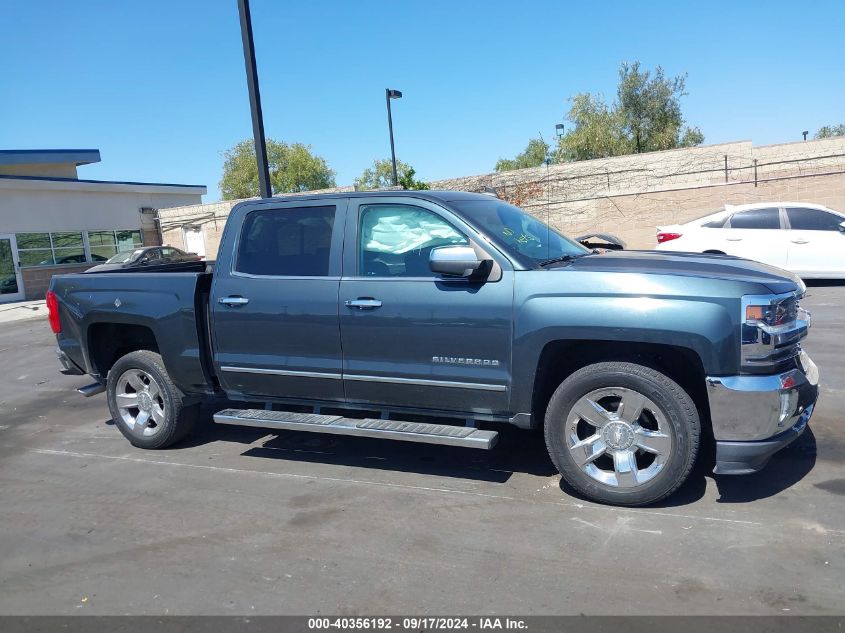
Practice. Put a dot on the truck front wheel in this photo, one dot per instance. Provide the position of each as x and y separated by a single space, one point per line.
622 433
145 404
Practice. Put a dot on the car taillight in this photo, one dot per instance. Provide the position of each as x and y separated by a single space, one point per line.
665 237
53 311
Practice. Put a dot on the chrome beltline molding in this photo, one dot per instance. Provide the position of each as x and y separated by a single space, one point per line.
364 378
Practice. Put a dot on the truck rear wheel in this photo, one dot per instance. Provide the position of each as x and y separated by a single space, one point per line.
145 404
622 433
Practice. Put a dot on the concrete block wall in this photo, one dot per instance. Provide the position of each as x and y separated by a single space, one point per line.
626 195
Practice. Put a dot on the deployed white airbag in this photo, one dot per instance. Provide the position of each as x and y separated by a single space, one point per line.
399 231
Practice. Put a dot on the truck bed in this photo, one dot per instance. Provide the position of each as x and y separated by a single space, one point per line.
170 305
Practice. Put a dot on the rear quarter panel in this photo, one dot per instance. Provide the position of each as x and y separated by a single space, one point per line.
166 303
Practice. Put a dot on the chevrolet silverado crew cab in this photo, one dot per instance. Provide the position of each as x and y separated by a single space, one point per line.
436 316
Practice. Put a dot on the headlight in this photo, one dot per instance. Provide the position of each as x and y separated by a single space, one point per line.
772 328
773 311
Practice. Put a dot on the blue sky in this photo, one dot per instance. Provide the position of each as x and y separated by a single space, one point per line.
159 86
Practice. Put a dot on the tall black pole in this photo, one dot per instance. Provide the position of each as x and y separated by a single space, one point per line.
254 99
390 126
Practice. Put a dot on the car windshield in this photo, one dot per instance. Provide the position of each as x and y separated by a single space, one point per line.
125 257
518 232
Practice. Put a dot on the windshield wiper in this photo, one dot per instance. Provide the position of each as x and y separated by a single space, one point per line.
559 258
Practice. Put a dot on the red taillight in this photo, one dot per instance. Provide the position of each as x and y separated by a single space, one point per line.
665 237
53 311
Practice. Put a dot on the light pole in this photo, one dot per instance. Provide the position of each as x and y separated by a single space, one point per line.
254 99
392 94
805 132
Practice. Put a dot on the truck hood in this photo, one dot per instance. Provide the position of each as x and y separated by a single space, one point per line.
726 267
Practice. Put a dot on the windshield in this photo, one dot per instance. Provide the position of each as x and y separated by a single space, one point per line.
126 256
518 232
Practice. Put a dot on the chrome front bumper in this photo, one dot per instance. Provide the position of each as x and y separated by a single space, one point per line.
749 407
754 416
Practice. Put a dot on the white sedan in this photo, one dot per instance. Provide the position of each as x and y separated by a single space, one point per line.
807 239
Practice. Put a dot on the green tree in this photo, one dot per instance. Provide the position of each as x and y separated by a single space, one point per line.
830 131
407 180
534 155
292 168
380 176
597 132
645 117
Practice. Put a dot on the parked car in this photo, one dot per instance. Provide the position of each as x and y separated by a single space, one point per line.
465 310
807 239
146 257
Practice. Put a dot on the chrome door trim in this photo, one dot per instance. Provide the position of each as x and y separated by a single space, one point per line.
281 372
364 378
427 383
233 301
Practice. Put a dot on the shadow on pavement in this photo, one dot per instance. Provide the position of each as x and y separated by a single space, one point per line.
786 468
516 451
820 283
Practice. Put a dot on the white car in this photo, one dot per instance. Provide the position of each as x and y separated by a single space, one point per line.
807 239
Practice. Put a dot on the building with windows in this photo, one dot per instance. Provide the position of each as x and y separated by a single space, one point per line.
53 222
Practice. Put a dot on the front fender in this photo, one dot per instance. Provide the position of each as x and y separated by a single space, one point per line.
706 327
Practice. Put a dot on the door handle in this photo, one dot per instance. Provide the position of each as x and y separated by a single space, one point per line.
363 303
800 241
233 301
734 239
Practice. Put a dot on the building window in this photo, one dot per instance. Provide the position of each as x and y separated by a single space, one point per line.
73 247
49 249
106 244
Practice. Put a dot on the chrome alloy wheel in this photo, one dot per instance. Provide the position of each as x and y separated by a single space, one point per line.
619 437
140 402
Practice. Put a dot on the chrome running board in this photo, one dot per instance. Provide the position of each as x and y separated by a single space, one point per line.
387 429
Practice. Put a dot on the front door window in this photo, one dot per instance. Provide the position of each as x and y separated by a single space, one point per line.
396 240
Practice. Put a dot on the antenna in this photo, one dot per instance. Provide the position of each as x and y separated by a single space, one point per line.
548 161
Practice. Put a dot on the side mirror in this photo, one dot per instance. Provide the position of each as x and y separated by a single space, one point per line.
458 261
842 227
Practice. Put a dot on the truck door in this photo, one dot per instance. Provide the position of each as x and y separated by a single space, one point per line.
274 311
412 338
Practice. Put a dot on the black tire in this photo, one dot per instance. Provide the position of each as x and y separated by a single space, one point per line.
678 415
176 420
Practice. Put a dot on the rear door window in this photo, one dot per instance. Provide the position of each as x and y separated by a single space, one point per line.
294 242
802 219
768 218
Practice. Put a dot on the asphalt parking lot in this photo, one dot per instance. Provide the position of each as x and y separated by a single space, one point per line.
240 521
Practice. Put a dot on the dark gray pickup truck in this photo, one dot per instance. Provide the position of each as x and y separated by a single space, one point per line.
433 317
